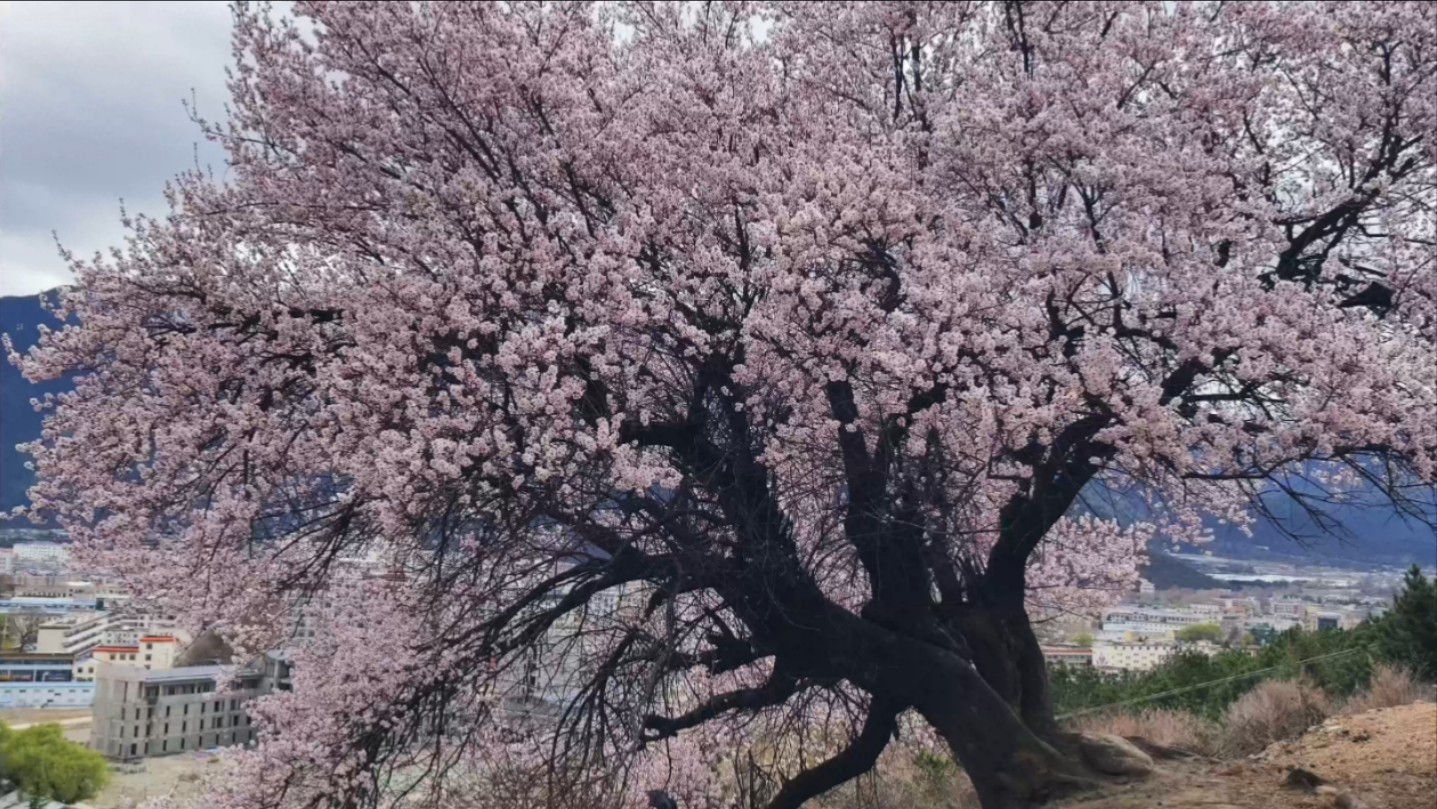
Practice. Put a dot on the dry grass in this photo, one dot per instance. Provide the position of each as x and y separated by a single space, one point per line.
1390 686
1272 711
1166 727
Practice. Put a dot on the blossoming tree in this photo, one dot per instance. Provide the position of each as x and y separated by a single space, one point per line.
810 330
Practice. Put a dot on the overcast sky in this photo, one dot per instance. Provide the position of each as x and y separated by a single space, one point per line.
92 112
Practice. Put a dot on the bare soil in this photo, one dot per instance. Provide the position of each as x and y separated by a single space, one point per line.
1383 759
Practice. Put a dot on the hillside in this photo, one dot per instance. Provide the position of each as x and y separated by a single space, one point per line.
1383 759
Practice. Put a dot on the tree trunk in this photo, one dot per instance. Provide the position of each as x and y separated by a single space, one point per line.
1008 656
1011 766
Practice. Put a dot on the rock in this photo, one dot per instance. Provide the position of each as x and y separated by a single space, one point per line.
1159 751
1298 778
1346 801
1113 755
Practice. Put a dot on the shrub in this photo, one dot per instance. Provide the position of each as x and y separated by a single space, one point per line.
1272 711
1390 686
1167 727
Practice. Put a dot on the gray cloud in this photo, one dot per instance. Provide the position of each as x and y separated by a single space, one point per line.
92 112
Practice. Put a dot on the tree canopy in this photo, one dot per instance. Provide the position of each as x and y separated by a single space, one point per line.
43 763
774 358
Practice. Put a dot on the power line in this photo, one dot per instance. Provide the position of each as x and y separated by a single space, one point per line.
1197 686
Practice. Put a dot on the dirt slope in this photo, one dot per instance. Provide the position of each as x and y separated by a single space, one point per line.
1384 759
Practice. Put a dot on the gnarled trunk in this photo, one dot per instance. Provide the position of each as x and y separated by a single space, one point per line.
1013 762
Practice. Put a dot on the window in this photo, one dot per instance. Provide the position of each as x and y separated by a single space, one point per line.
134 750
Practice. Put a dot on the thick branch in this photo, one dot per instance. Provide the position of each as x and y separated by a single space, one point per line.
858 758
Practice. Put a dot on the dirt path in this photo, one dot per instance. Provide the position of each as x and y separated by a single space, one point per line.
1385 759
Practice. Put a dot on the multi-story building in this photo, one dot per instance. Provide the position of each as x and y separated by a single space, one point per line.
51 585
1155 623
79 633
1131 655
1288 607
140 712
30 556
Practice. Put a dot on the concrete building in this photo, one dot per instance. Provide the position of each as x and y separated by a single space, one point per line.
79 633
140 712
152 652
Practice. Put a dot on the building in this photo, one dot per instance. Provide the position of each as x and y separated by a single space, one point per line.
154 652
46 606
42 681
1068 656
147 712
40 556
1136 654
80 632
51 585
1154 623
1288 607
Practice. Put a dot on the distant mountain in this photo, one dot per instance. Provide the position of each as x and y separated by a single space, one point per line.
20 320
1371 537
1169 573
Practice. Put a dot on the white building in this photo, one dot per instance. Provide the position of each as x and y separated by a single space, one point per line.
78 633
1131 655
40 556
1150 623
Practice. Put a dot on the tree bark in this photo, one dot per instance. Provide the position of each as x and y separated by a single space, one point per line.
1011 765
1008 656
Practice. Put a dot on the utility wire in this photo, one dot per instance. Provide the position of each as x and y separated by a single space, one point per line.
1197 686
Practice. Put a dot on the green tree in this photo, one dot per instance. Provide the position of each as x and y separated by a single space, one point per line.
1407 634
1200 632
1083 639
42 762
